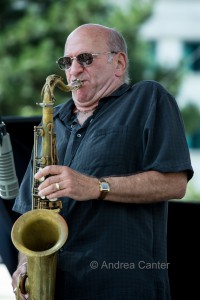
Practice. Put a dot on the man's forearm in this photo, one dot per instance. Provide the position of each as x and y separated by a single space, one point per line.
147 187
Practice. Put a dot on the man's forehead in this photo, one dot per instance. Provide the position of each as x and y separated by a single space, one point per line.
85 40
87 34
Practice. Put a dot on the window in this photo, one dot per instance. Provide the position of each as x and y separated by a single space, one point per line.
192 56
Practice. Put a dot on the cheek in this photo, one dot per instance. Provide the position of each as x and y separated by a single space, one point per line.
102 78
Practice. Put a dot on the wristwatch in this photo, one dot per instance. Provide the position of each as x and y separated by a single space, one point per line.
104 188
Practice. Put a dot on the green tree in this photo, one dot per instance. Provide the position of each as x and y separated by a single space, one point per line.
33 35
191 118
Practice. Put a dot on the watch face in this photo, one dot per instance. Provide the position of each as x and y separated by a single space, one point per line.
105 186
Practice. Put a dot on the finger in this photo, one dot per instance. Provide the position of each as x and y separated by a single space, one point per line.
50 181
53 188
17 293
24 297
54 191
48 170
55 195
16 275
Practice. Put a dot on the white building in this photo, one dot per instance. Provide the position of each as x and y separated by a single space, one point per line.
174 29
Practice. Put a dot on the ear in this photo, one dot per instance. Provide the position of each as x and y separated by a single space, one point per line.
121 64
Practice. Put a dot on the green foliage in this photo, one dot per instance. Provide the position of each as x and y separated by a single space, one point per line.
32 37
169 78
191 118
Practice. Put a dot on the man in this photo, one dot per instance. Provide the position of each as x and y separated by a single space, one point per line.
128 141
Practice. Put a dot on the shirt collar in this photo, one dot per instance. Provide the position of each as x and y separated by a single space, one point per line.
119 91
65 110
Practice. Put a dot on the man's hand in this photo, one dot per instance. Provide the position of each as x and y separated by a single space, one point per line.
61 181
16 278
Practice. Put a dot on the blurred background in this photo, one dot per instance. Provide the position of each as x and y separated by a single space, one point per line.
163 40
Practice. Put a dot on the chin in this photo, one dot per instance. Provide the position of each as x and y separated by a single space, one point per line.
79 96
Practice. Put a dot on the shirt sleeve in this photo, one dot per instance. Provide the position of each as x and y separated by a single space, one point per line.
164 141
23 201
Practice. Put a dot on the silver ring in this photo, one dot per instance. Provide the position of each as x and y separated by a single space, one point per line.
57 186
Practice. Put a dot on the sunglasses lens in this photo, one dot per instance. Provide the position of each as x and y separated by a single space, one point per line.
64 62
85 59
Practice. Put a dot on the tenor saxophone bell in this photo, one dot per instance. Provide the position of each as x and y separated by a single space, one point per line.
39 234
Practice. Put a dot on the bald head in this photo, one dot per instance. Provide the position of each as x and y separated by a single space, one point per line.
112 38
92 29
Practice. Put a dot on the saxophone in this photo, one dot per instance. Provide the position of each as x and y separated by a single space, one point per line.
41 232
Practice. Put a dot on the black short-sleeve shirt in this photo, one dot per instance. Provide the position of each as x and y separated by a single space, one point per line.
116 250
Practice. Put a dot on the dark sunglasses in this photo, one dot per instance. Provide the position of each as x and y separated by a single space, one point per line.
84 59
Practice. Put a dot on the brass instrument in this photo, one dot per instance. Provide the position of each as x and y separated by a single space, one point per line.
41 232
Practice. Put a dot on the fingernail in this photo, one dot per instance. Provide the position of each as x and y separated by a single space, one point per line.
41 196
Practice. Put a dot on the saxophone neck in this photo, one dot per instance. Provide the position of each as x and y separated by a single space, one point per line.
54 80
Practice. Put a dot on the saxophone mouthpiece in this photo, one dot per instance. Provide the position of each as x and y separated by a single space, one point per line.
76 84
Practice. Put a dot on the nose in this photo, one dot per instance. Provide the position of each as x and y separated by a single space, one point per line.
75 68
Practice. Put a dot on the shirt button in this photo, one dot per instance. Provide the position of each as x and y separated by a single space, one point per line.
78 135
